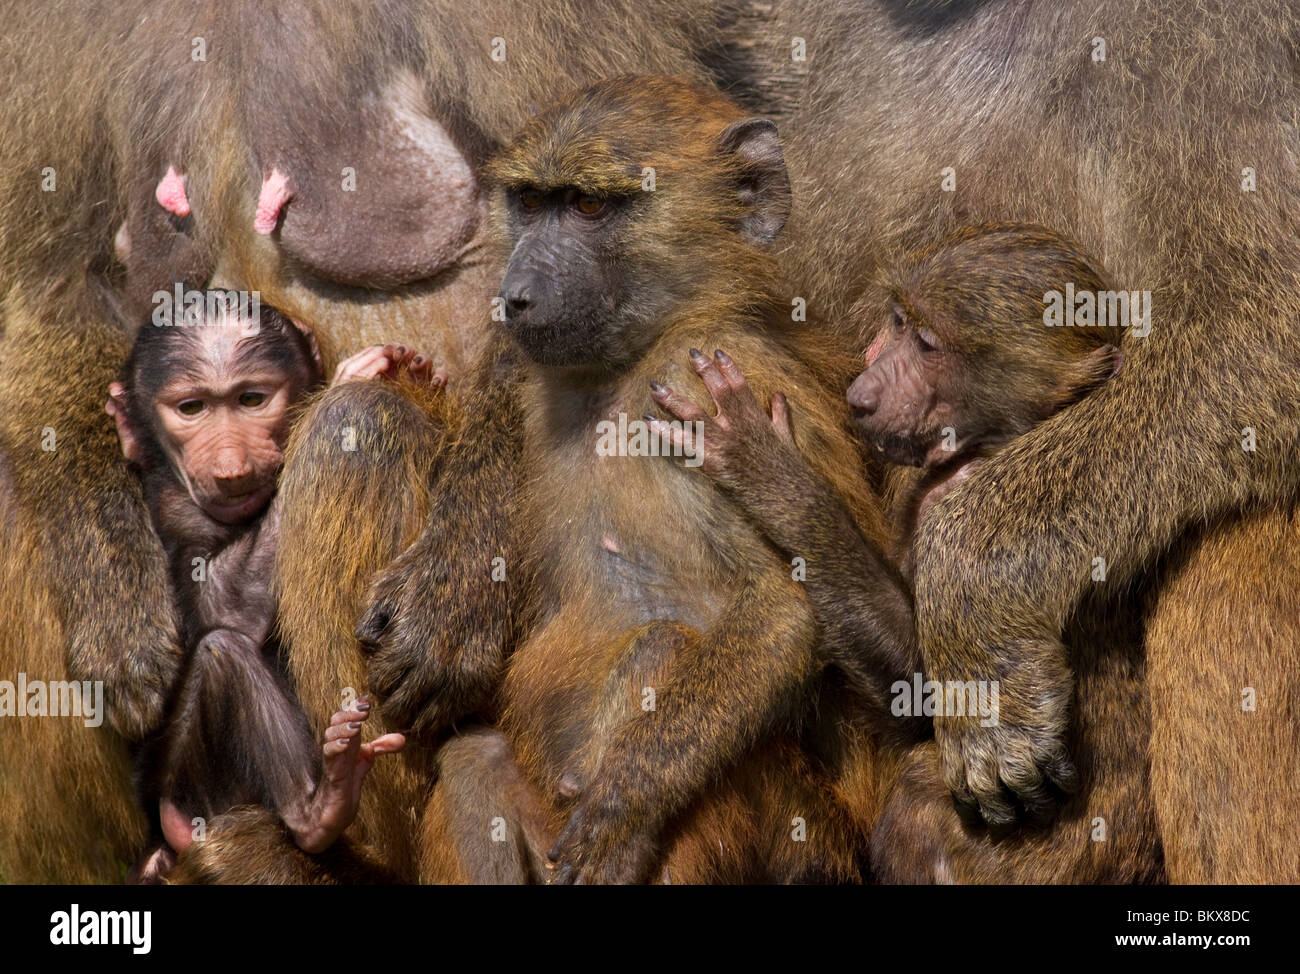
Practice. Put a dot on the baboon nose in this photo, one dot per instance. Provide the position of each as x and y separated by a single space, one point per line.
863 402
519 298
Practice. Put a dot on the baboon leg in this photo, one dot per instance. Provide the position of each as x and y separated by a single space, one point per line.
1223 652
250 844
1105 833
354 493
484 823
774 818
237 735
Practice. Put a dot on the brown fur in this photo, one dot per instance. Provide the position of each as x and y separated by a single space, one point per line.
109 101
1138 157
1226 779
607 546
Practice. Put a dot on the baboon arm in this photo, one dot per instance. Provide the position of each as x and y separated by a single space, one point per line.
862 605
80 512
438 622
1004 560
728 690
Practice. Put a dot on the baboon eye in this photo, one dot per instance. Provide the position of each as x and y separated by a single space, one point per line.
251 399
589 205
531 198
928 340
190 407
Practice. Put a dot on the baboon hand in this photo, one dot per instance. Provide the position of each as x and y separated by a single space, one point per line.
398 634
389 362
434 632
602 842
729 444
1009 762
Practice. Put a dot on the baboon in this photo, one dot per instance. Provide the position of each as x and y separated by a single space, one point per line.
960 363
146 144
202 411
1161 137
1163 145
609 278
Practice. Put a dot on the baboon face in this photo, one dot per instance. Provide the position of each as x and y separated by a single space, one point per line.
639 199
908 394
563 292
212 401
940 383
225 431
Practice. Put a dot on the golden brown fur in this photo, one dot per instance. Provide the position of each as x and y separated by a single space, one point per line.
617 542
108 101
1225 777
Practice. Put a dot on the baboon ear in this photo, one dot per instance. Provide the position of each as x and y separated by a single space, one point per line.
1102 363
1106 361
764 186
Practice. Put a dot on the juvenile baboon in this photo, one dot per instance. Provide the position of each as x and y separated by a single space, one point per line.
960 363
202 410
144 144
655 702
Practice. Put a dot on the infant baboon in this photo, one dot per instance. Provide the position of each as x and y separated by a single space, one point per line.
203 408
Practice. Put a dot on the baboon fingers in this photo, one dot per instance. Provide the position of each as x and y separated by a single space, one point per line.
385 744
342 732
719 388
1063 773
349 716
681 407
730 371
680 438
364 365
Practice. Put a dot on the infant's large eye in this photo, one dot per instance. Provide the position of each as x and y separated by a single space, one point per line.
190 407
899 318
531 198
589 205
251 399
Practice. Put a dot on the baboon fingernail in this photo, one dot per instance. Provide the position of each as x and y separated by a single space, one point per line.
719 354
656 386
696 353
354 725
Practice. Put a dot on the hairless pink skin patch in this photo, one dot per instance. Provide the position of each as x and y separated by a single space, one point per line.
171 193
875 348
275 193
